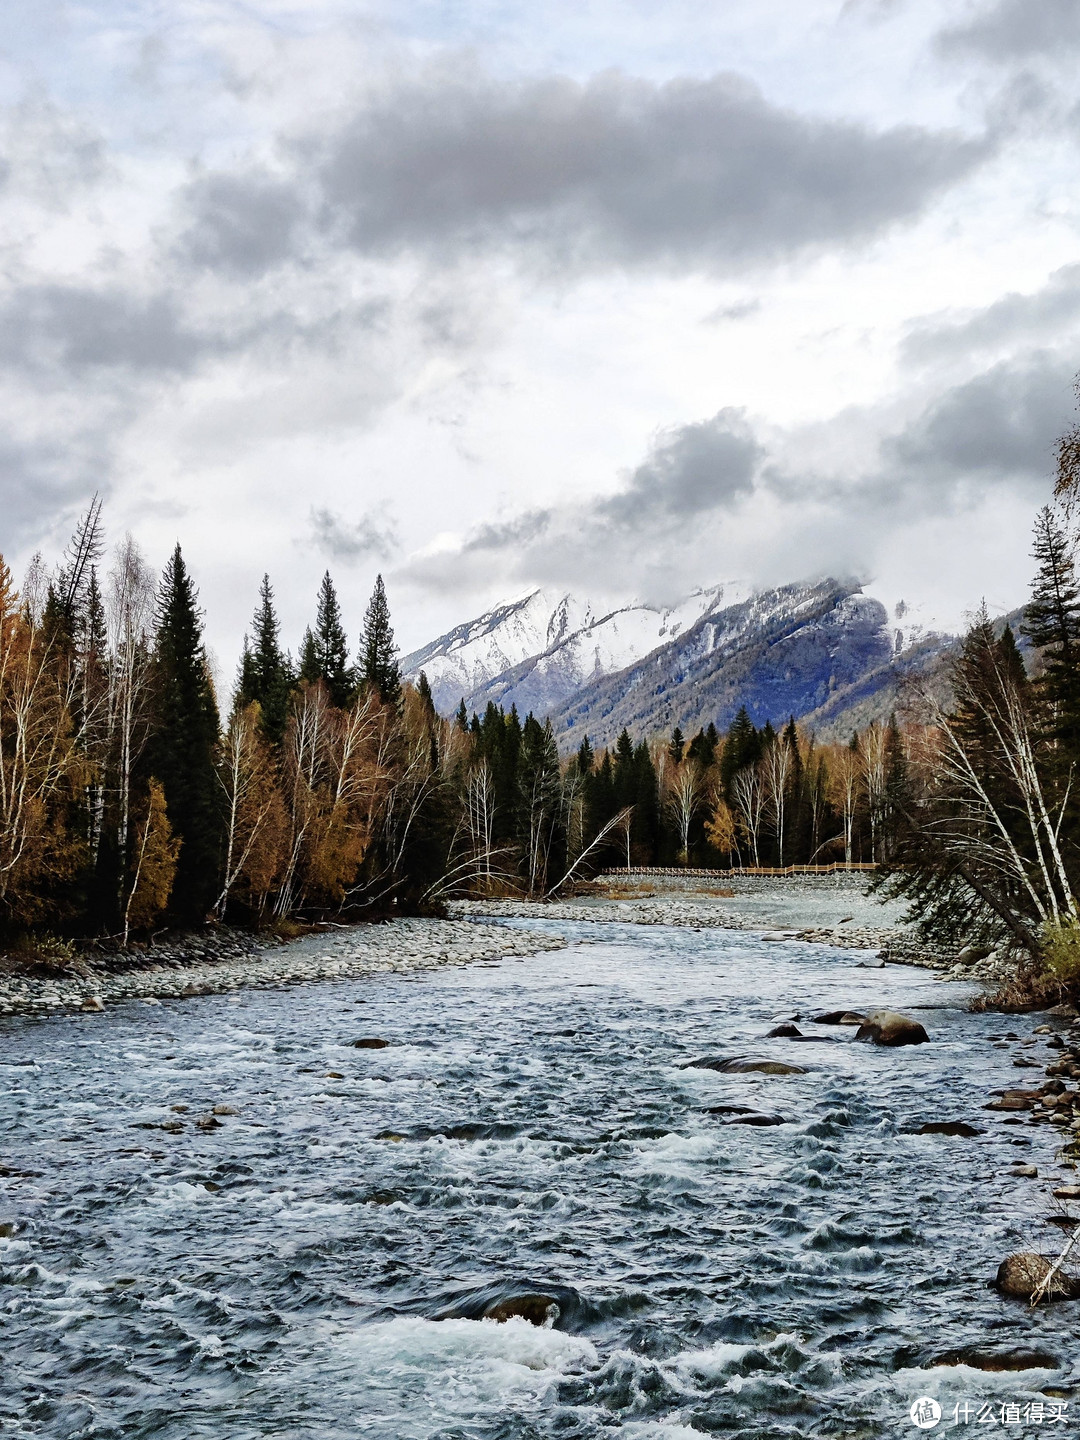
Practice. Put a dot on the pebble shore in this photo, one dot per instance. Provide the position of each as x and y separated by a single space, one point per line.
226 960
212 962
894 944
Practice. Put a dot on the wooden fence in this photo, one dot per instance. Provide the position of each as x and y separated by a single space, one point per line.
839 867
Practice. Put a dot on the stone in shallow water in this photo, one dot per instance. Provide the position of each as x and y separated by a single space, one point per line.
998 1361
1019 1276
839 1017
889 1027
740 1065
371 1042
536 1309
784 1032
756 1118
948 1127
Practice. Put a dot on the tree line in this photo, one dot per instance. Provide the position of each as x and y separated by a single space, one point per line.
132 799
130 802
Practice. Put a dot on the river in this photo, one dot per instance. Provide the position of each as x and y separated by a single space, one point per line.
529 1127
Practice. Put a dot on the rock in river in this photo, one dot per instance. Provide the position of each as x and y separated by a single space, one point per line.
998 1361
1020 1274
784 1032
741 1065
948 1127
840 1017
371 1042
536 1309
888 1027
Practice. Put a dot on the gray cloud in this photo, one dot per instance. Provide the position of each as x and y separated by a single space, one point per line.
691 469
620 170
351 542
45 482
77 328
999 426
243 225
1014 319
1008 30
692 475
670 524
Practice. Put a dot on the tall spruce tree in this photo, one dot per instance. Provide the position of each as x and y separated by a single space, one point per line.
266 675
324 654
378 653
181 752
1052 622
741 747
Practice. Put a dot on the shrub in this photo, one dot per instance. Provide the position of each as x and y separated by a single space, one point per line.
1061 952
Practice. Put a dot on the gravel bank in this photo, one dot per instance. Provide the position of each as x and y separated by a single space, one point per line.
231 960
825 910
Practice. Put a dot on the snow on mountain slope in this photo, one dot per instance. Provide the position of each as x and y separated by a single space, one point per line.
781 652
471 654
536 650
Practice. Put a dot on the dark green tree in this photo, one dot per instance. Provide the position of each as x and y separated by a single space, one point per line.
677 745
378 653
741 747
181 750
324 654
585 757
1052 622
265 673
461 719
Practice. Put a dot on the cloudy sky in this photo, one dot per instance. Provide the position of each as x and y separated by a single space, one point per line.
619 296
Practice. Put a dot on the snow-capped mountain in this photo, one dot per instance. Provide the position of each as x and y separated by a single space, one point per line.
537 650
823 652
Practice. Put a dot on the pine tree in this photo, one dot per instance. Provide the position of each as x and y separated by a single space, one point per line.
423 689
461 719
378 653
266 675
741 748
678 744
1052 622
324 654
585 757
625 776
646 818
184 741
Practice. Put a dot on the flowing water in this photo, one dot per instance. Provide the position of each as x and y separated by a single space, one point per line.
315 1266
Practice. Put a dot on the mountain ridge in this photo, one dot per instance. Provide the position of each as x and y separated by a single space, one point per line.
822 651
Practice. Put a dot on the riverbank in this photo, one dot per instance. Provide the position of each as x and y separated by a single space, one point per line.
224 960
824 910
828 910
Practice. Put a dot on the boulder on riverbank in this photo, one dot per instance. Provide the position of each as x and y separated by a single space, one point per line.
889 1027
